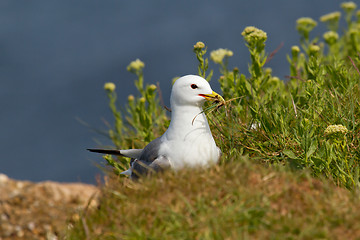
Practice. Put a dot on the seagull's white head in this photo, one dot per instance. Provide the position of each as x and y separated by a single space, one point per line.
192 90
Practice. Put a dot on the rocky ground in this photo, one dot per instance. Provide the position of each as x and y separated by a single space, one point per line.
41 210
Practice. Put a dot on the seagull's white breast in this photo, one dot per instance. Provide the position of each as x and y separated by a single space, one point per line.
191 145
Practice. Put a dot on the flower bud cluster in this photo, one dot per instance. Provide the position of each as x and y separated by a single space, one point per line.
109 86
331 37
253 34
334 16
135 66
335 129
218 55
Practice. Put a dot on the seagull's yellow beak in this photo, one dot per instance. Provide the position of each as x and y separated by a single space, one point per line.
214 97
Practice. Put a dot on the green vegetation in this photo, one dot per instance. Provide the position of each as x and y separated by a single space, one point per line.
238 200
305 127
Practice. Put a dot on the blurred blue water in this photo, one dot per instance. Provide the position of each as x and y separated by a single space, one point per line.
55 57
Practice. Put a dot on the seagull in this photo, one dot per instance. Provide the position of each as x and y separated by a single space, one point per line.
187 142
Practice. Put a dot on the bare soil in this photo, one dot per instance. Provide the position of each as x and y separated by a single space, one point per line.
41 210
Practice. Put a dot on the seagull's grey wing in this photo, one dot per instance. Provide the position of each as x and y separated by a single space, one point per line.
141 168
151 151
150 160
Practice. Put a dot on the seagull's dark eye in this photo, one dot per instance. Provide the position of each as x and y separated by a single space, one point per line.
193 86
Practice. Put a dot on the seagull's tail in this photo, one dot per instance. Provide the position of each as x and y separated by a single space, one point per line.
106 151
127 172
131 153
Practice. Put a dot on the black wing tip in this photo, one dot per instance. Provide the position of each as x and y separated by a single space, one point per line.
94 149
104 151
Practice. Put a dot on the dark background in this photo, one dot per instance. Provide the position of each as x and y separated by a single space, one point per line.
55 57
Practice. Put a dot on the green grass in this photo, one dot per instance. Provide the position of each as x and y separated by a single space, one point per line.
291 151
238 200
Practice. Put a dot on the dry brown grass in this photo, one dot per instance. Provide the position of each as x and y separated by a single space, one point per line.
234 201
